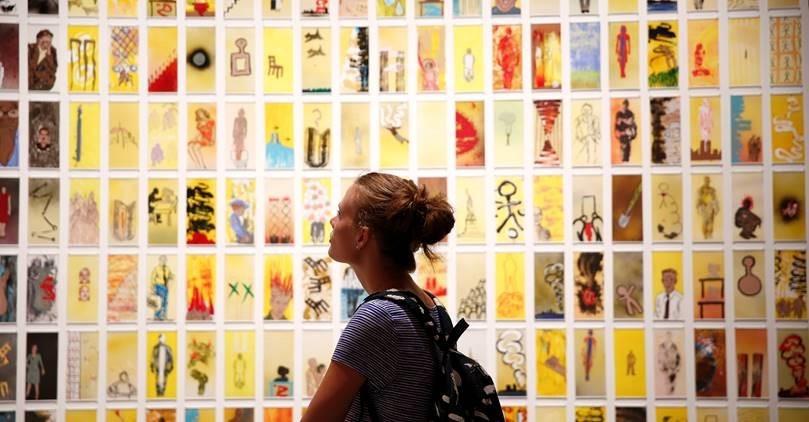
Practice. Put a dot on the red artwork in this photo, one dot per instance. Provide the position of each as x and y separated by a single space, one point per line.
623 48
508 57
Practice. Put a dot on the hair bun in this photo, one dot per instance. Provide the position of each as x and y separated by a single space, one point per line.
438 219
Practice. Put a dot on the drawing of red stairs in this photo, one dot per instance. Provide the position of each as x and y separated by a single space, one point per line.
165 78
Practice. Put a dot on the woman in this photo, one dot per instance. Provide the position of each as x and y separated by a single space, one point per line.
381 221
34 370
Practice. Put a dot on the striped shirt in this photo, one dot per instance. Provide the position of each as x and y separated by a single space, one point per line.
392 350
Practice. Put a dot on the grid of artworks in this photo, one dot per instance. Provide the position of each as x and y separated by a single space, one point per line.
628 176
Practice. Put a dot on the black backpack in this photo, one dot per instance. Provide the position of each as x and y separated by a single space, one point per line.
463 391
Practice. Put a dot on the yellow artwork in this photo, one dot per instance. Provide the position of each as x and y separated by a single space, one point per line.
122 366
122 8
316 197
392 59
279 414
587 208
788 202
714 414
201 131
200 47
551 352
706 130
239 10
200 212
278 288
432 120
240 54
588 413
432 276
470 224
83 211
241 208
162 364
788 137
390 9
200 364
786 414
749 295
431 61
123 211
122 415
82 365
703 53
200 292
622 6
317 135
85 136
590 371
667 285
548 209
162 197
470 273
708 269
663 67
468 58
279 136
744 56
200 8
124 135
355 149
161 296
747 204
82 288
671 414
318 348
783 4
316 59
77 415
241 291
667 207
123 67
394 135
510 286
790 299
511 362
162 59
82 64
163 135
587 133
510 214
278 363
161 415
240 139
354 60
122 288
785 51
508 130
278 51
707 221
753 414
630 363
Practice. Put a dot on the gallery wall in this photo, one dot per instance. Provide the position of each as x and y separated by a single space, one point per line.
628 176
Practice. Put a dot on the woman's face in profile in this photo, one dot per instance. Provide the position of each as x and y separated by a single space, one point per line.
342 242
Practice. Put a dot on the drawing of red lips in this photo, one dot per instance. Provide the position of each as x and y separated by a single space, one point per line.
466 136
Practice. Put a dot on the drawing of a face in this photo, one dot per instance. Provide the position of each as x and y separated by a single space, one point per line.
504 5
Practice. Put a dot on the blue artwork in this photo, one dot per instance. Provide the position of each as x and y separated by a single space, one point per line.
278 156
585 55
744 150
661 5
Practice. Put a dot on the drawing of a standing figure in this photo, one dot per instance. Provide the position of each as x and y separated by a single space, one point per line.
161 277
508 57
34 370
626 130
707 206
239 134
623 48
162 364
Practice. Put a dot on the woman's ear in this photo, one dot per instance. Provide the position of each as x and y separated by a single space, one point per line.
362 238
